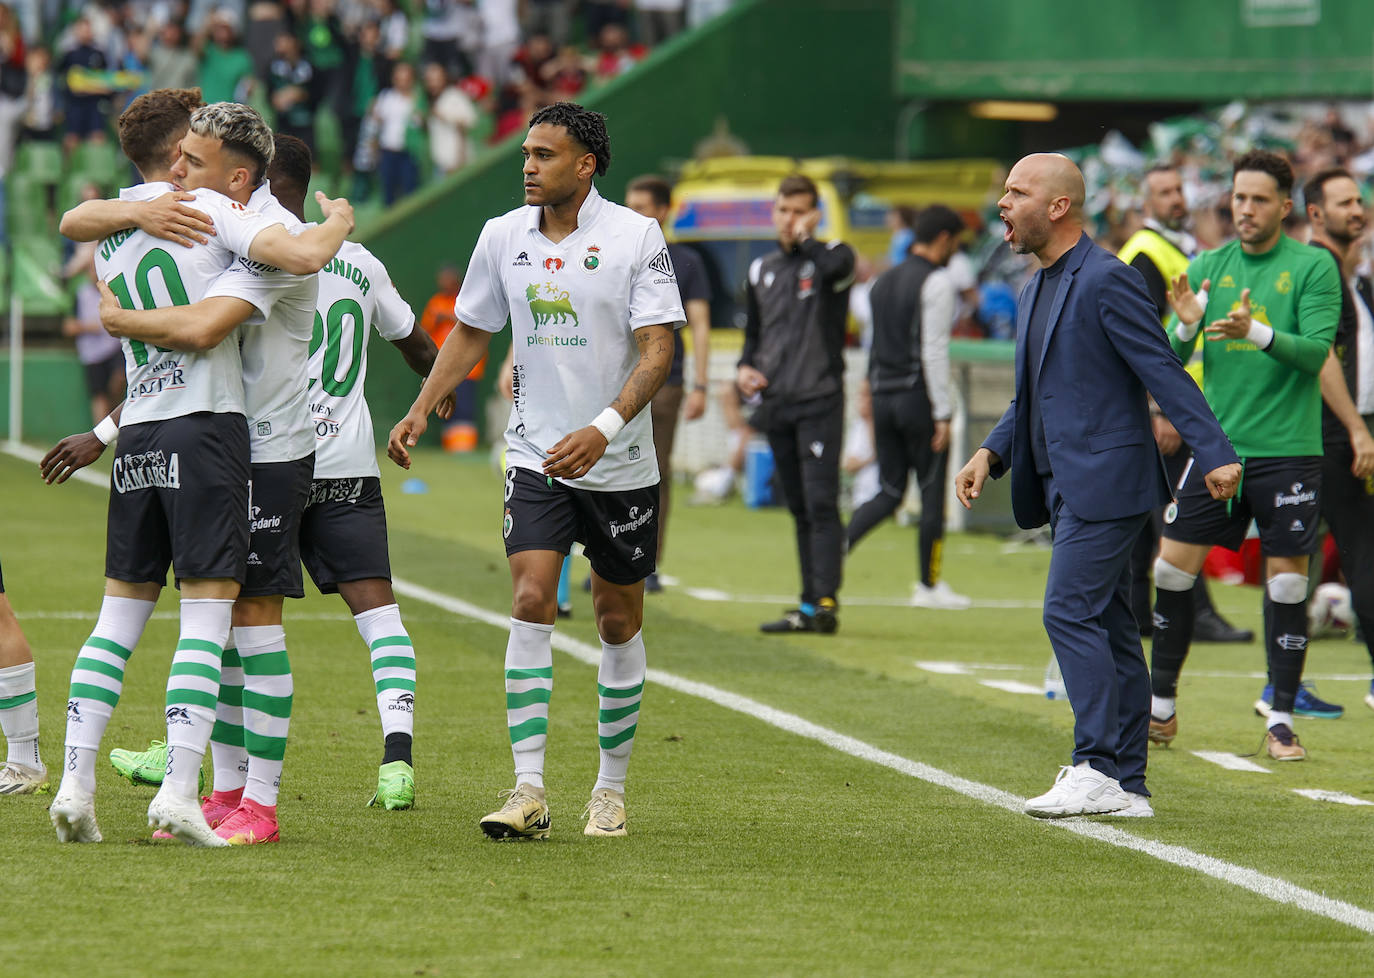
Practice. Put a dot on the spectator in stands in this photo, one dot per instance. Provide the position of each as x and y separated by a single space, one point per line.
397 113
500 39
84 93
659 20
393 28
323 47
171 62
291 89
226 69
369 68
450 117
40 96
266 19
101 356
566 75
445 25
615 54
598 13
550 17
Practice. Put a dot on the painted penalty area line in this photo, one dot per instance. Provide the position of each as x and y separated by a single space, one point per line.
1269 887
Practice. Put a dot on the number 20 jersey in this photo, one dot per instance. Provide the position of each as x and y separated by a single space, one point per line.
148 273
355 294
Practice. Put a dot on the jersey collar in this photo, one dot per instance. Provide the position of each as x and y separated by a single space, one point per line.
586 214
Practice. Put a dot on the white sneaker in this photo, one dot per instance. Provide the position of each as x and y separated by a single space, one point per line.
941 596
1079 790
182 817
1138 808
73 814
18 779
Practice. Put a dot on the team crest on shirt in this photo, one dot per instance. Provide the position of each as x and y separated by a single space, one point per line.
1285 283
553 264
1227 282
591 261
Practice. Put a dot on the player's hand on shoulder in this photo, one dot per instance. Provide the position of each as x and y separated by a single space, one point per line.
168 218
575 454
71 453
336 206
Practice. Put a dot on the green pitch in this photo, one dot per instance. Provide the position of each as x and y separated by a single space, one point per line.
753 850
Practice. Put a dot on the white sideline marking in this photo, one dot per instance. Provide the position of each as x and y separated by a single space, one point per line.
1230 761
1012 686
1340 798
94 477
966 668
1269 887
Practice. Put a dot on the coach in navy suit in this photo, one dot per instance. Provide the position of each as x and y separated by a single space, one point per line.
1078 442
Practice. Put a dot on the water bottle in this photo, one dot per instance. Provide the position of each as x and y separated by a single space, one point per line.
1054 681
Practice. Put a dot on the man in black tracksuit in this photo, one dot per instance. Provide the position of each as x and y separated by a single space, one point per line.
792 367
908 371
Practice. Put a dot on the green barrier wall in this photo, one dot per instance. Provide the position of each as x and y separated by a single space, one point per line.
55 401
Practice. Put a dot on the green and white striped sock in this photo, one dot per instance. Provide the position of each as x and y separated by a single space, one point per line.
19 715
267 695
227 753
529 686
98 680
393 667
619 687
193 690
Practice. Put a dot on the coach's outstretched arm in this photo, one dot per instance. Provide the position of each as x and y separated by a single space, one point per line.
194 328
459 354
163 217
575 454
308 252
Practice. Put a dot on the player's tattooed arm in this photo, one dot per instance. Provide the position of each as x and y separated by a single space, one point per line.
308 252
575 454
165 217
192 329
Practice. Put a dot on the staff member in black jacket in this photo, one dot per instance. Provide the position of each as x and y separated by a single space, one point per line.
792 367
914 304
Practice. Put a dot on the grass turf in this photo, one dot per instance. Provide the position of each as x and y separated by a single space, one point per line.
752 851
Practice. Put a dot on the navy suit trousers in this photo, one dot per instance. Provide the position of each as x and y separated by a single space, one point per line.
1095 638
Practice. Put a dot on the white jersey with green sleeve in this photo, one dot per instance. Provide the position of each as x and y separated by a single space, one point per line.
574 307
276 354
355 293
145 272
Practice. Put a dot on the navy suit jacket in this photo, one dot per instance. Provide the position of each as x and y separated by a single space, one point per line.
1103 349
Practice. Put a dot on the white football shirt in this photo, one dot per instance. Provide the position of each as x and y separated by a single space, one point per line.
355 293
573 308
145 272
276 354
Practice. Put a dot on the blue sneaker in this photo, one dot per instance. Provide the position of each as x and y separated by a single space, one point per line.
1307 703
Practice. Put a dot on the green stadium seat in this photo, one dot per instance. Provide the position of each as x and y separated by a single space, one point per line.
26 210
97 159
329 147
38 276
40 161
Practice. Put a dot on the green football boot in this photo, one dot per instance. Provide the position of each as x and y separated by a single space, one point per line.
145 766
395 786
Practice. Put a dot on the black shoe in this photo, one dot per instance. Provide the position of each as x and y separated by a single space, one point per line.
795 620
565 610
1211 627
825 619
652 585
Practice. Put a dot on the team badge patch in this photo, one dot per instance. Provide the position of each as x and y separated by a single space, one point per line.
591 261
507 525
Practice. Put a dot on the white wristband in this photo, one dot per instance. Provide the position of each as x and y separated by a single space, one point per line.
107 431
1185 331
608 422
1260 334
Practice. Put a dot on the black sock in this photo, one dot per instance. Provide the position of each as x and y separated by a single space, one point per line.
1268 640
397 748
1286 639
1202 598
1173 621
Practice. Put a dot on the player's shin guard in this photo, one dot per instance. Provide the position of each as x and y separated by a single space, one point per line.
98 680
1173 628
619 687
193 690
393 672
227 752
529 686
267 694
19 714
1286 637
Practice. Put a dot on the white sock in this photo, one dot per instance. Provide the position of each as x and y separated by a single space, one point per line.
19 715
98 680
1275 718
393 667
619 687
268 691
1162 707
193 690
529 686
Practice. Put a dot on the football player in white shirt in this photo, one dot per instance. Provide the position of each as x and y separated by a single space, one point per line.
589 291
236 146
